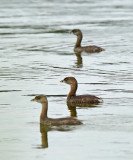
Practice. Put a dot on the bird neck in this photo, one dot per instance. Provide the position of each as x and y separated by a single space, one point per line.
73 90
78 42
44 111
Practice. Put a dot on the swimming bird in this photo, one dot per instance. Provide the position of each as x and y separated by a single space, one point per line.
78 48
53 121
73 98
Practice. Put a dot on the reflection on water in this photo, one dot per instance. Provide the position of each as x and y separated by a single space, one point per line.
44 135
79 62
72 107
44 129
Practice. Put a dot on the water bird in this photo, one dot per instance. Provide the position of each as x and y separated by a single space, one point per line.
78 48
53 121
73 98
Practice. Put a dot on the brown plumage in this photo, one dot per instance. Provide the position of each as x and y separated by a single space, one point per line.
73 98
79 48
51 121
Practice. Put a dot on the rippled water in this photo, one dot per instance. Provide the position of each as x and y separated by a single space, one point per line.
36 52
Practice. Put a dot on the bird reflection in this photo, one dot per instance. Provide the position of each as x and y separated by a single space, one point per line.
44 129
72 107
79 62
44 136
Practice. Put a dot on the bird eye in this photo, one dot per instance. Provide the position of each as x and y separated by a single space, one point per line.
38 97
66 79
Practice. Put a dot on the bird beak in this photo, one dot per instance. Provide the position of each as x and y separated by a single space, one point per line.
32 100
62 81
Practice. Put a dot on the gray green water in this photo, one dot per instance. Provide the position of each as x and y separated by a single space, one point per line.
36 52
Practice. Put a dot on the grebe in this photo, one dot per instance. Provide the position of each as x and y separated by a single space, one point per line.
50 121
79 48
72 98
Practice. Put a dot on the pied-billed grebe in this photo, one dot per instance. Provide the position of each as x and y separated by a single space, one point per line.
72 98
79 48
50 121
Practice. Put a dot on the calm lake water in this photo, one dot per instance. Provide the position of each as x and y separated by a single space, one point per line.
36 52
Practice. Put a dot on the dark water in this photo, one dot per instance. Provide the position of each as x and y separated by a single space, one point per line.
36 52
